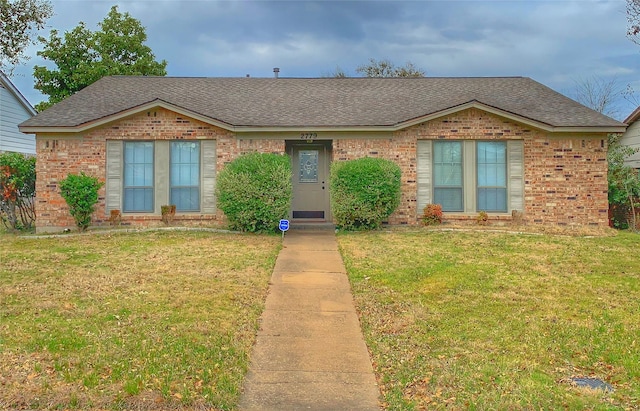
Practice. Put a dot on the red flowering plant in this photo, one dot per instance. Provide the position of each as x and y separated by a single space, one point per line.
17 190
432 214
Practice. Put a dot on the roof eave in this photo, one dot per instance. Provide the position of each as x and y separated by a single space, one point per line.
344 128
511 116
17 94
123 114
633 117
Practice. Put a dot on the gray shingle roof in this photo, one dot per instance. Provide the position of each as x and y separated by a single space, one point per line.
319 102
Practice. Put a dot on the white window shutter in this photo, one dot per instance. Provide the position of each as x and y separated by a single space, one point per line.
423 171
160 175
208 189
114 176
515 151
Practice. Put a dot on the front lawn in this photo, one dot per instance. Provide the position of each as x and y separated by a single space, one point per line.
485 320
155 320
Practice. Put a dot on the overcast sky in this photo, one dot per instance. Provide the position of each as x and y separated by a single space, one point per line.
555 42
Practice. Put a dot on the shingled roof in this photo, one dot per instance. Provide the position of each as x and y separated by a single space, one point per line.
243 103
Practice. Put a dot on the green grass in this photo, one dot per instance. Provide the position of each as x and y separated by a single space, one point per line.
155 320
484 320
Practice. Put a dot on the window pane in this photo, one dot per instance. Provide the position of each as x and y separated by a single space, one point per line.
186 198
492 199
447 175
449 198
492 176
185 175
138 176
138 199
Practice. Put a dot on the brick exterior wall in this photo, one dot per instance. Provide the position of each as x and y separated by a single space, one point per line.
60 155
565 177
566 181
402 150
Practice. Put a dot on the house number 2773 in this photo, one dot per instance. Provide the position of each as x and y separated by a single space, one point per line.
308 136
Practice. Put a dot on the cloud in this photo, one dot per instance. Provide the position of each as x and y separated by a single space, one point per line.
553 42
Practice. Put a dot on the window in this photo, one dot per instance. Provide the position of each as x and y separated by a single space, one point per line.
483 175
447 175
138 177
492 176
185 175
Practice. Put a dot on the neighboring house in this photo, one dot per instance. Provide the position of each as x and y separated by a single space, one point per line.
14 109
470 144
631 138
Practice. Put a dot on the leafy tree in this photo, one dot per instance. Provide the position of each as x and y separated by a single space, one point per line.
80 191
84 57
18 21
17 190
624 183
385 68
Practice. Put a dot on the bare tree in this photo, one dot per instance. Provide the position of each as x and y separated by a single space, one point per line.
599 94
631 95
337 73
633 17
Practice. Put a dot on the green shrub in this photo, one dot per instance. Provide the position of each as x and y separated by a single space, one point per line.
81 194
254 191
17 190
364 192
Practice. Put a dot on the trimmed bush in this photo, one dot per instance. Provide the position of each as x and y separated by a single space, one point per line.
432 214
254 191
364 192
81 194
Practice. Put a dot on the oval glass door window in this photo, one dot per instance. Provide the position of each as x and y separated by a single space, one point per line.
308 166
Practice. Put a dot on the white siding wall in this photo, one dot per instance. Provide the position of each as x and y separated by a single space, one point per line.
13 113
632 138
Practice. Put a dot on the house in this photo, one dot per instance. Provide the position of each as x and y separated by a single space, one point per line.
14 109
500 145
631 138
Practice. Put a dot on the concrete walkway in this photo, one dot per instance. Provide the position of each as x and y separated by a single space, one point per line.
309 353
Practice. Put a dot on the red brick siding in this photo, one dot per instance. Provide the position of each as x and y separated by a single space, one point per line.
61 155
565 178
566 181
56 158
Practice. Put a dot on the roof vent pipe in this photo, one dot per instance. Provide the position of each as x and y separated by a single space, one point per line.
276 70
